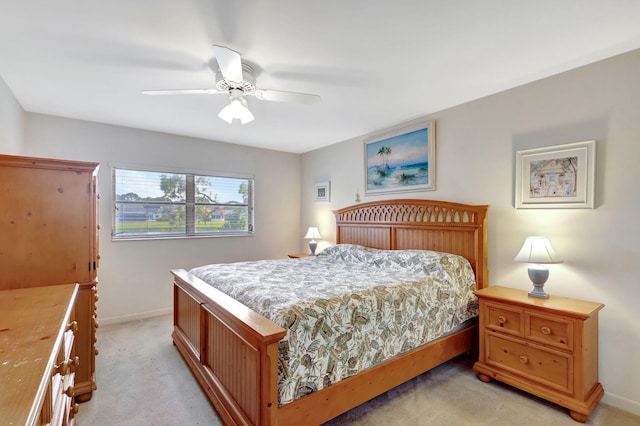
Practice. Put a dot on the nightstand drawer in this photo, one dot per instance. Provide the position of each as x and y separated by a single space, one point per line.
551 368
504 319
549 330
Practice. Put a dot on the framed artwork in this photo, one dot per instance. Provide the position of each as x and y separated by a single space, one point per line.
556 177
401 160
322 191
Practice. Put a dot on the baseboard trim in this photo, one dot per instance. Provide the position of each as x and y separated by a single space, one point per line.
136 316
622 403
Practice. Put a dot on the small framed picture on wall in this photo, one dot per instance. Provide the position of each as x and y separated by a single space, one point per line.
322 191
556 177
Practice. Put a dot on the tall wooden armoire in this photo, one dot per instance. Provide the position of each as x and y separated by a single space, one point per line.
49 235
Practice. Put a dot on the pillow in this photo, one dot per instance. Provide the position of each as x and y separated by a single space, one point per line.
378 257
427 262
350 253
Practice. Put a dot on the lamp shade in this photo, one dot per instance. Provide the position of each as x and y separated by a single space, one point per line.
236 109
537 250
312 233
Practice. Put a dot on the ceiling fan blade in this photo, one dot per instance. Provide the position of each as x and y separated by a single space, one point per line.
181 92
230 63
281 96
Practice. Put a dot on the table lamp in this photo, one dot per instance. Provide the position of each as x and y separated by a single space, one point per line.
312 233
538 252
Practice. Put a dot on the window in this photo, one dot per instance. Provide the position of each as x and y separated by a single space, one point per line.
155 204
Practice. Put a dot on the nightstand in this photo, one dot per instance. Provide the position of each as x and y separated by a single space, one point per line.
547 347
298 255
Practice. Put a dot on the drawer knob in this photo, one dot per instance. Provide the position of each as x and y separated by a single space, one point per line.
502 320
70 392
63 368
545 330
73 326
524 359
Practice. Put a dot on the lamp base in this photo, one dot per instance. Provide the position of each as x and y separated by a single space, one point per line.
538 275
312 246
538 291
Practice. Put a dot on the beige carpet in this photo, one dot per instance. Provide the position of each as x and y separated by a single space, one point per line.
142 380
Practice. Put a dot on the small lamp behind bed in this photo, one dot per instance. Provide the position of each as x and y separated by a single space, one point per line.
312 233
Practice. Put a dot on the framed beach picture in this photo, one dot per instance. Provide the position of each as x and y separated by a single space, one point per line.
556 177
401 160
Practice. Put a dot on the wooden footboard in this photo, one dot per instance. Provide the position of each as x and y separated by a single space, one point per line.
231 350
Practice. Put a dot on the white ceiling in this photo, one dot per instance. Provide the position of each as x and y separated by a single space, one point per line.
375 63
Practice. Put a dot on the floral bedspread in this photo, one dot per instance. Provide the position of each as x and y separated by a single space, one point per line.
350 307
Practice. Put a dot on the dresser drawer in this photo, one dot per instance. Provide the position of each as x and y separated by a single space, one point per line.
550 330
504 319
549 367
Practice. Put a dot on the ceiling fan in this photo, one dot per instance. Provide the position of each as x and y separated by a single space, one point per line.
236 79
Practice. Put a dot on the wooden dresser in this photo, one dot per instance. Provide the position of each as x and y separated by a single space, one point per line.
547 347
49 229
37 356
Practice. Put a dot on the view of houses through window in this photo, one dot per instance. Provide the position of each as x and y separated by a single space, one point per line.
153 204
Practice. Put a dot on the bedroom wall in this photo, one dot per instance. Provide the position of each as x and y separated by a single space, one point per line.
134 275
11 122
476 144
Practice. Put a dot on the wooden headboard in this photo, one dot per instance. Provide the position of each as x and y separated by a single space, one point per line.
419 224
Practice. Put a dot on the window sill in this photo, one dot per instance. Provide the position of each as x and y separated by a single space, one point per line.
180 237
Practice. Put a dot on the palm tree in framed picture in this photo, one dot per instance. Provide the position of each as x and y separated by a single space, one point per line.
384 152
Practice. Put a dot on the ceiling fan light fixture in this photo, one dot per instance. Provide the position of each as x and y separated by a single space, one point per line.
236 109
236 79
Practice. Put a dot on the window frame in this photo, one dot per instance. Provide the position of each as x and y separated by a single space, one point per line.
190 203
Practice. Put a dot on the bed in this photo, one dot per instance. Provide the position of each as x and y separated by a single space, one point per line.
233 351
